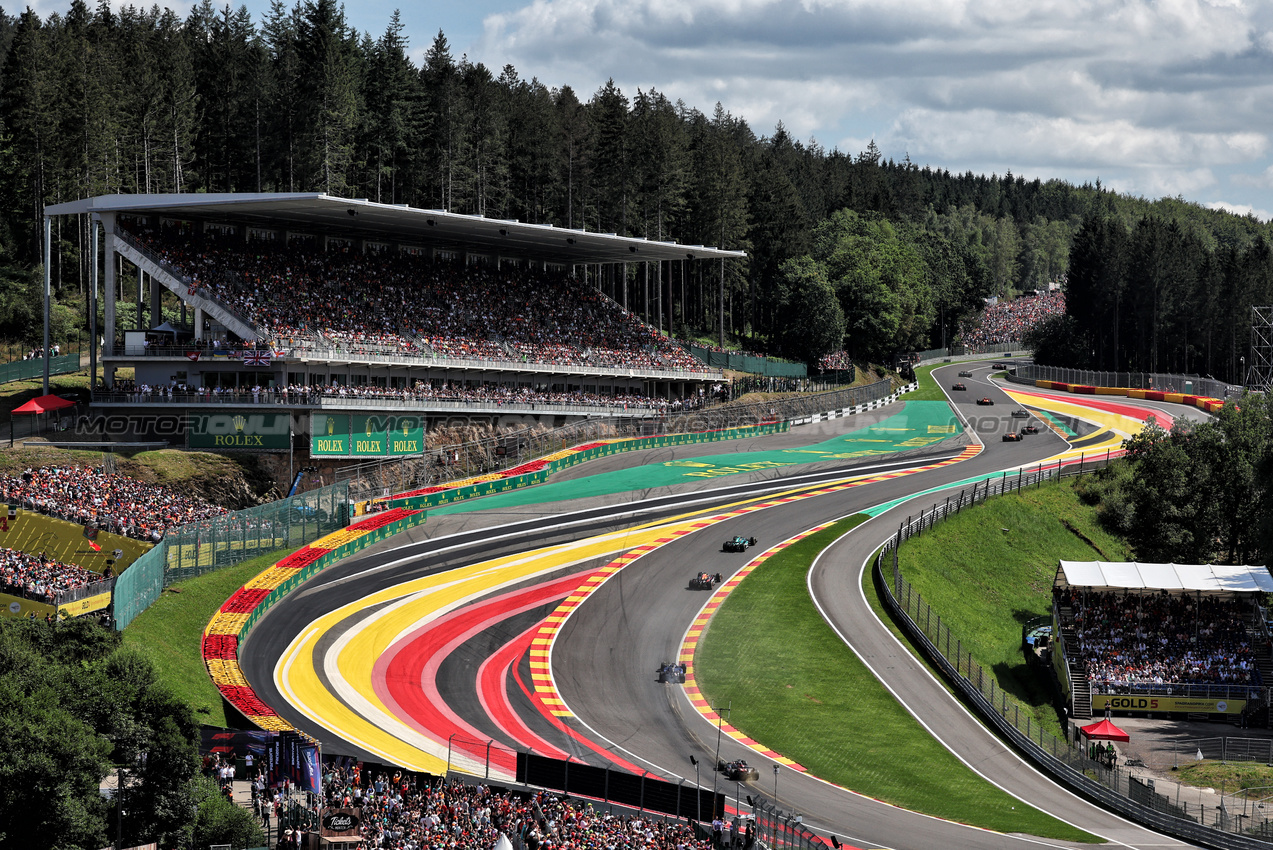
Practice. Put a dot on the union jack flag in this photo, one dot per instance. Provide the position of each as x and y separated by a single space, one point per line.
257 358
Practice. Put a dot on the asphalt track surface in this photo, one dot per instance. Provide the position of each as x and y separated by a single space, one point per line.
606 653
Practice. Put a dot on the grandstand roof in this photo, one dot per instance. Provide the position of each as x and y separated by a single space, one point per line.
1127 575
344 218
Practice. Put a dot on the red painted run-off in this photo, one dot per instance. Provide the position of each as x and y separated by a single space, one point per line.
405 677
1141 413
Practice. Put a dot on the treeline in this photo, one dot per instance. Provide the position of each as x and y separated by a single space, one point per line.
1198 494
1158 295
77 707
95 101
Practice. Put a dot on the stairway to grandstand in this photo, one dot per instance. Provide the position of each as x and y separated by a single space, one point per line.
1080 690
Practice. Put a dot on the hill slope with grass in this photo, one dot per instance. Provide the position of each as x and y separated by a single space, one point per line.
989 569
797 688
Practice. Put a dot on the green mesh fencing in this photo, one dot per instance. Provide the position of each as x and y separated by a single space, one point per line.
25 370
201 547
139 586
749 363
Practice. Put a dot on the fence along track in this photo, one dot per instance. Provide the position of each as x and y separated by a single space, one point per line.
1220 823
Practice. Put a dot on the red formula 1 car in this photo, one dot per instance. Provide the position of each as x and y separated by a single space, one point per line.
985 399
704 581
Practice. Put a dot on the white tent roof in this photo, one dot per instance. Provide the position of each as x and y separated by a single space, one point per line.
1128 575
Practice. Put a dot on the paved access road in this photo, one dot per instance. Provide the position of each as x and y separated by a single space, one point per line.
390 677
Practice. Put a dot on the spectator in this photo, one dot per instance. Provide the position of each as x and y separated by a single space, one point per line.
112 502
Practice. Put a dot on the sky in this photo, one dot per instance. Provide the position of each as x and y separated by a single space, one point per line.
1152 97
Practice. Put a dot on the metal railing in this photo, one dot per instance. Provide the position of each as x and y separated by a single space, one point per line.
1163 381
212 544
193 292
776 827
1195 814
409 401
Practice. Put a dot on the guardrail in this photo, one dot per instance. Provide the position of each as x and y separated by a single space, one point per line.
1112 787
1166 382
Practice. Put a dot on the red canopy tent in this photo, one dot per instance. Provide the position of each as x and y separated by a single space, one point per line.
1104 731
44 404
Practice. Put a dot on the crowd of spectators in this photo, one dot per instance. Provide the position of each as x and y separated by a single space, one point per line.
302 295
836 361
107 500
39 577
422 392
1008 321
400 812
1134 640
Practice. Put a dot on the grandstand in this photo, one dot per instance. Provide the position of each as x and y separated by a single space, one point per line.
293 304
1161 638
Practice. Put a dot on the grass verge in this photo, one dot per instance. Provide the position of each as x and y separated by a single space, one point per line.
796 687
928 389
169 633
1233 777
989 569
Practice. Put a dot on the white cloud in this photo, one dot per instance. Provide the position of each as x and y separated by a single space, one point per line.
1239 209
1153 95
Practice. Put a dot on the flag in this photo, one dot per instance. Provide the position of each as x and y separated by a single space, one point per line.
257 358
192 355
90 534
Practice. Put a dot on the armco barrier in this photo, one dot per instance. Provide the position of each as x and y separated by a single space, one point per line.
1062 761
1211 405
228 627
537 471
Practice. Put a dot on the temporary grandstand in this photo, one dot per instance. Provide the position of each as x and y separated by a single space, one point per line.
1162 639
300 304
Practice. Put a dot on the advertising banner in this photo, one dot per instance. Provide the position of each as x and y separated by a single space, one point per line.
245 431
1148 703
406 435
17 606
329 434
369 435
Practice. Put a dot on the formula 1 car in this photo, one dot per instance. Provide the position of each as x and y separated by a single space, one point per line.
704 581
738 771
985 400
739 544
999 366
958 386
1030 429
1012 437
672 674
1020 414
965 374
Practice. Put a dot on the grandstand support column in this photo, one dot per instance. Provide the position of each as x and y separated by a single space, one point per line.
48 289
645 295
198 323
721 343
92 302
140 278
156 303
658 281
109 287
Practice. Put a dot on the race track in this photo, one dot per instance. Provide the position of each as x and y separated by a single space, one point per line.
542 625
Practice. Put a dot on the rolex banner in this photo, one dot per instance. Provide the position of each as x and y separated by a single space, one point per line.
366 436
329 434
246 431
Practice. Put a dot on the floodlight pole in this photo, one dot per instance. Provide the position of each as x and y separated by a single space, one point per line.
48 286
719 721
